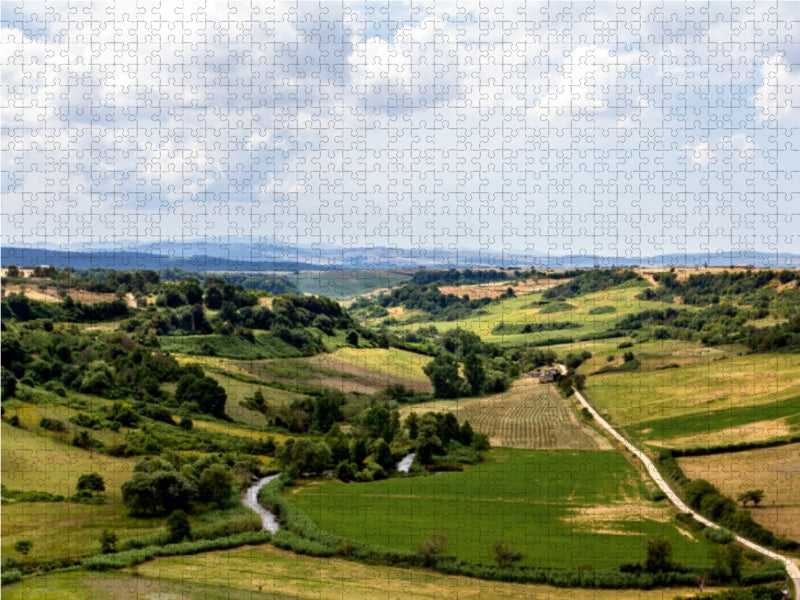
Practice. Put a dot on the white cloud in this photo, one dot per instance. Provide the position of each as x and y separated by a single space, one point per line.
778 97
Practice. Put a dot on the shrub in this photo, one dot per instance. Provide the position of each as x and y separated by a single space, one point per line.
11 576
718 536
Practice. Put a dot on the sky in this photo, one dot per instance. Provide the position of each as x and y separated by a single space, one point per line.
619 129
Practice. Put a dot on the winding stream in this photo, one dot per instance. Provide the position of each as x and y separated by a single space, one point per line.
250 499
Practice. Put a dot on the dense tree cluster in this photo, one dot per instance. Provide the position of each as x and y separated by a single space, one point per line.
431 300
164 485
593 280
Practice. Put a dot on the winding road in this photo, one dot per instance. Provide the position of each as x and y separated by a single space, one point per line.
791 567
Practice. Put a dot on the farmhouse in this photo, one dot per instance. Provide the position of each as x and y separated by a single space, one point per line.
545 375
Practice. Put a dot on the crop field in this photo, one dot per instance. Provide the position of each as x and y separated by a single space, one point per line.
563 508
776 471
531 309
529 415
495 289
247 573
713 387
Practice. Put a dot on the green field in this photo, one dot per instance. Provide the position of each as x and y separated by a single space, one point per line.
344 284
266 572
386 361
710 387
564 508
228 346
532 309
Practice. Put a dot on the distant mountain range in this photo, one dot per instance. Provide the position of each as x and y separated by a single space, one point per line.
199 255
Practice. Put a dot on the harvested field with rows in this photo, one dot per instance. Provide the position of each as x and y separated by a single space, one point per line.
529 415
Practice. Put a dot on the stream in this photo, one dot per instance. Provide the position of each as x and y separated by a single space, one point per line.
250 496
404 465
250 499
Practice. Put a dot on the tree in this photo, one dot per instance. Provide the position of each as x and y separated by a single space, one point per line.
659 555
352 338
23 547
443 373
215 484
91 482
157 492
754 496
474 372
505 555
327 411
728 561
108 541
203 391
178 528
433 548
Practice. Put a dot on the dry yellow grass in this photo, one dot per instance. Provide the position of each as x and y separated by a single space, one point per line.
48 293
774 470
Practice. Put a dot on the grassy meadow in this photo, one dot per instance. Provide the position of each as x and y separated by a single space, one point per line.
264 571
714 389
564 508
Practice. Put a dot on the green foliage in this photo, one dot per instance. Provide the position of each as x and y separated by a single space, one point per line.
659 556
91 482
590 281
23 547
178 528
754 496
505 555
10 576
204 392
122 560
443 373
215 484
728 562
718 536
301 456
474 372
429 299
433 549
108 541
157 490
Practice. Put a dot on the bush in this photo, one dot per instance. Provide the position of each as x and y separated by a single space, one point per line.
11 576
658 496
718 536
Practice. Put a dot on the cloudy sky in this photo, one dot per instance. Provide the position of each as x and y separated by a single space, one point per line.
622 129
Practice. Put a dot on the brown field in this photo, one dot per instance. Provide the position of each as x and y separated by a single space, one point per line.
774 470
496 288
529 415
48 294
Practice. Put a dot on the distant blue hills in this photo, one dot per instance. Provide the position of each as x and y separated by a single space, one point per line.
269 257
